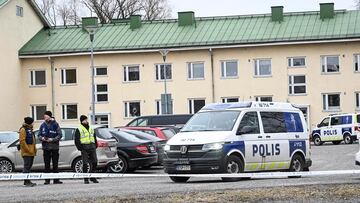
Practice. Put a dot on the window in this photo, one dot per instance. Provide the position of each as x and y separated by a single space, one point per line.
159 107
37 112
68 134
195 105
249 123
281 122
131 73
357 62
331 102
330 64
139 122
69 111
160 72
357 100
263 98
341 120
296 62
100 71
262 67
230 100
195 70
297 84
132 109
68 76
229 69
19 11
324 123
37 78
101 93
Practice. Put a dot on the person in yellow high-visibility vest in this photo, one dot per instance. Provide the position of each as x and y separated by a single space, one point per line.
85 141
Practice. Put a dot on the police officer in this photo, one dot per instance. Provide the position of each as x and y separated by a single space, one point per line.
50 136
85 141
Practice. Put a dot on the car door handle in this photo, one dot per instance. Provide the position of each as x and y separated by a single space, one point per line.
259 136
268 136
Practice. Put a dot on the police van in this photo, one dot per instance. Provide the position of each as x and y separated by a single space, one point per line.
337 128
240 137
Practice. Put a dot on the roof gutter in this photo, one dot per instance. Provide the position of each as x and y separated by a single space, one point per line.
38 11
189 48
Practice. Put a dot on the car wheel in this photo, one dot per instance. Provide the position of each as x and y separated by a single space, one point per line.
233 165
77 165
297 164
348 139
336 142
120 167
179 179
317 141
6 166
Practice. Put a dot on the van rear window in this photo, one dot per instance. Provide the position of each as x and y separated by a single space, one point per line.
281 122
358 118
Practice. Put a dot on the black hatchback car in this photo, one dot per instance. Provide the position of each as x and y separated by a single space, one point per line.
133 152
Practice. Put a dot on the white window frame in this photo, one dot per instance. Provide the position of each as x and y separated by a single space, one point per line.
101 93
126 76
158 72
190 65
127 104
19 11
293 85
332 109
258 98
324 59
33 78
225 99
96 75
257 67
33 111
291 60
357 97
63 74
357 60
223 63
158 106
64 110
192 100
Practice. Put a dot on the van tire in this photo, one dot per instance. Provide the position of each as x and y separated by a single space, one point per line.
297 164
233 165
317 140
348 139
336 142
177 179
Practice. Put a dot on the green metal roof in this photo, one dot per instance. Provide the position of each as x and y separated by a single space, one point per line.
209 31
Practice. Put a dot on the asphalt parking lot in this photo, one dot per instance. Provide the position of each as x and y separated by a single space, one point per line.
326 157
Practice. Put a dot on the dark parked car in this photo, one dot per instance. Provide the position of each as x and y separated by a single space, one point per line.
161 120
133 152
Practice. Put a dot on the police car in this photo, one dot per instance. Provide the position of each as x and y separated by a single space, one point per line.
337 128
240 137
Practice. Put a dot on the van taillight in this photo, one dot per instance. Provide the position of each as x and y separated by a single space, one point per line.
102 143
142 149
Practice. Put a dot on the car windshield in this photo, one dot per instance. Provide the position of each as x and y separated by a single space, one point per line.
168 133
8 137
212 121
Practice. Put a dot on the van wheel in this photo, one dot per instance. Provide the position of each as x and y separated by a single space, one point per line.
179 179
77 165
297 165
120 167
233 165
6 166
348 139
317 140
336 142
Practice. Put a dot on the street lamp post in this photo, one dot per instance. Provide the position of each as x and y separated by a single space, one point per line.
164 53
90 25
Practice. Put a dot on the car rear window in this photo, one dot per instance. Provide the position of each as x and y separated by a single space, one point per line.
104 133
150 132
168 133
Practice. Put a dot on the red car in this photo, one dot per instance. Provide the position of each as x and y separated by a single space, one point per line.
164 133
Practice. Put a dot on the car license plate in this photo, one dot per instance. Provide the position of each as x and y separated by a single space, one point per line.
183 168
152 149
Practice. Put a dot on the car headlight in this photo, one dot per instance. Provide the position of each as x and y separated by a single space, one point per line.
167 147
213 146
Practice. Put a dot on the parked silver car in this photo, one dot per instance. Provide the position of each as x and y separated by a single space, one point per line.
8 136
70 157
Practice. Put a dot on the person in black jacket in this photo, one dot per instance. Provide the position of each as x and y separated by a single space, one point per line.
85 141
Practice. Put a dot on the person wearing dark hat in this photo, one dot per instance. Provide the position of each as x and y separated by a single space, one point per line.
85 141
27 147
50 136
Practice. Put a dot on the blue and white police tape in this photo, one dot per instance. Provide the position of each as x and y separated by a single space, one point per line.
265 175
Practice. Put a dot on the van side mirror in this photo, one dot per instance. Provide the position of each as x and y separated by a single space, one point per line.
319 125
245 130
